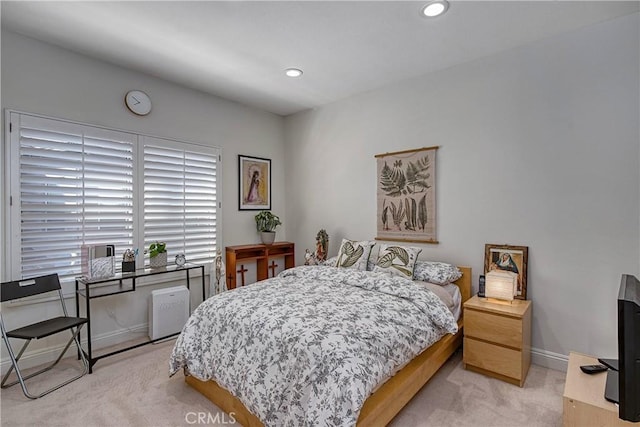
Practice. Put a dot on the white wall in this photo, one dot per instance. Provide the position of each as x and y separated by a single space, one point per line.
539 146
44 79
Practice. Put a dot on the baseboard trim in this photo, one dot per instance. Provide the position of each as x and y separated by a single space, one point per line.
49 354
549 359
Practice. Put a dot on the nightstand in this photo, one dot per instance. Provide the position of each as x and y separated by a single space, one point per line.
497 338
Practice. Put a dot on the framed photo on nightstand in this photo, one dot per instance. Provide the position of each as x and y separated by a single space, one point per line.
509 258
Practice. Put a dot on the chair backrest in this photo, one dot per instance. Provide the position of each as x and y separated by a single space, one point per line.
28 287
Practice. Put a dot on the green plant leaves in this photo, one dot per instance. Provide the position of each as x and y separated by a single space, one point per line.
266 221
157 248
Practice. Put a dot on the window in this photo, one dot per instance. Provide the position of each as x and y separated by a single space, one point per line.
180 198
73 184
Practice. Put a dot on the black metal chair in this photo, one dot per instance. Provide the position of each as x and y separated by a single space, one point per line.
28 287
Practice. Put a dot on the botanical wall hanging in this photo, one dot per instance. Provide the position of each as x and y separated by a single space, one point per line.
406 191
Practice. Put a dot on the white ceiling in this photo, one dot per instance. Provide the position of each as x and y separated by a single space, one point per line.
239 49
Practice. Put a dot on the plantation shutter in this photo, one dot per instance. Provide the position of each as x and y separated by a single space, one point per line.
71 184
181 198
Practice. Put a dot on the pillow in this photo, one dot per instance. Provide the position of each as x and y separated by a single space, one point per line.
441 292
397 260
439 273
354 254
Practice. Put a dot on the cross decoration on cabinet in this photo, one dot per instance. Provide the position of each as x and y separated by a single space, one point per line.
241 271
273 267
263 257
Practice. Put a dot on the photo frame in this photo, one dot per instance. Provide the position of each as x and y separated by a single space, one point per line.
254 183
510 258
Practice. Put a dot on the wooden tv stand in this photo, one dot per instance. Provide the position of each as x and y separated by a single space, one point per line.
583 402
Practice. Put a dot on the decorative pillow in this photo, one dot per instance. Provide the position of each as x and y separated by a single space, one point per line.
439 273
354 254
397 260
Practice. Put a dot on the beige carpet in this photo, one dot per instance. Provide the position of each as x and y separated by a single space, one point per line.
133 389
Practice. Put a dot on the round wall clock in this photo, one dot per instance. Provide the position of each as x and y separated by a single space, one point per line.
138 102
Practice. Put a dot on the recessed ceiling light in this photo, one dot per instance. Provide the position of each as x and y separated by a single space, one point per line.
435 8
293 72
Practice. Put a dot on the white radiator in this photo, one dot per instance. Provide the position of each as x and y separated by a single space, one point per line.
168 311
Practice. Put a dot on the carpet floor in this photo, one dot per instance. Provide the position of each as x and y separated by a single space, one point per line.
134 389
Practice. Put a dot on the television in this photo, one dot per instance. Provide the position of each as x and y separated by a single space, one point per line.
623 385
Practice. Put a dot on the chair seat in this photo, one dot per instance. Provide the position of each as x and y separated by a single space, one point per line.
46 327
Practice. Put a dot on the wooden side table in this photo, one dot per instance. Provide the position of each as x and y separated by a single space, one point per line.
583 402
497 338
261 255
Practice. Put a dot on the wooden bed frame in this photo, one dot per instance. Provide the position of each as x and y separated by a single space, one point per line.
387 401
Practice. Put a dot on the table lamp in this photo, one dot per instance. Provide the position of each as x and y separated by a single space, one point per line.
501 284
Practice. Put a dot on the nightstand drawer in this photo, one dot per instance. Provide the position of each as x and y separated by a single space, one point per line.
493 327
500 360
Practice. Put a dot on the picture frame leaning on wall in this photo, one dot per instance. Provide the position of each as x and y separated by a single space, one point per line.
509 258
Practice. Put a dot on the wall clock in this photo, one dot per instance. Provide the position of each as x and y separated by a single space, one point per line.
138 102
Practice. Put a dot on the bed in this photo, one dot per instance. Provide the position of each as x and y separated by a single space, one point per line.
390 394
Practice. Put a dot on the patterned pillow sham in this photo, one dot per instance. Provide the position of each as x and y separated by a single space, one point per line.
439 273
354 254
397 260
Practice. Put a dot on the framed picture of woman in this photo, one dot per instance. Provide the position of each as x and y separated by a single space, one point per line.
509 258
254 178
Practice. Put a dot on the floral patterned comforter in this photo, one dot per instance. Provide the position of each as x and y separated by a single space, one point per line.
309 346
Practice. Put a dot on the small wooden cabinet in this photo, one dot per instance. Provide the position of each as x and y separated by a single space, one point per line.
261 255
497 338
583 402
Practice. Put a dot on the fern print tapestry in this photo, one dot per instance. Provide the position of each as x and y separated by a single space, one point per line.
406 190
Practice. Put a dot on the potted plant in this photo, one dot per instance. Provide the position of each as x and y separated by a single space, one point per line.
158 254
266 223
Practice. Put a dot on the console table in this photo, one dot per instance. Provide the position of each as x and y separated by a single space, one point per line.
261 255
119 284
583 402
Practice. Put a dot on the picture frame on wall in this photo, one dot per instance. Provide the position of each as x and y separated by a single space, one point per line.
254 183
509 258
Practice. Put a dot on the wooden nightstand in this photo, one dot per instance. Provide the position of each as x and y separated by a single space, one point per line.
497 338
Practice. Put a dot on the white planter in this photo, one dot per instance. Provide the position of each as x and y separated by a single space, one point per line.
158 261
268 237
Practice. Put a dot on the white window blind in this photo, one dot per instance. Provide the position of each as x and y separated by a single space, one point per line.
72 184
180 198
75 185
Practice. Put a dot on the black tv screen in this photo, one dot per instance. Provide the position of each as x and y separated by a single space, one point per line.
629 348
